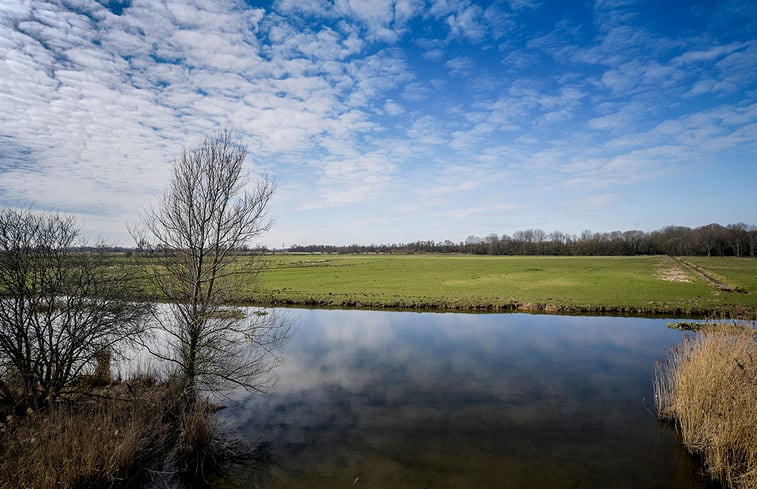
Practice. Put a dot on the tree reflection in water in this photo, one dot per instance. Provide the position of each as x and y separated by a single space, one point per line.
389 399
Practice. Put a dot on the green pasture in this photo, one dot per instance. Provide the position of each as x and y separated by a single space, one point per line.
734 272
656 284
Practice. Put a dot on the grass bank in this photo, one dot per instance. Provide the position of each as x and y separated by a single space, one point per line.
621 285
708 388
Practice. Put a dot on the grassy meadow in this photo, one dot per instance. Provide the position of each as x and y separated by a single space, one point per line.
633 285
735 272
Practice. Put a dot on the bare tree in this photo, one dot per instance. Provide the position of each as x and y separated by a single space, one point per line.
208 211
738 238
60 308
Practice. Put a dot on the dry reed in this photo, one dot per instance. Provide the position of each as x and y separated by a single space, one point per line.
708 388
196 449
92 442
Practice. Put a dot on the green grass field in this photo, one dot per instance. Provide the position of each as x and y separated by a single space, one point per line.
633 285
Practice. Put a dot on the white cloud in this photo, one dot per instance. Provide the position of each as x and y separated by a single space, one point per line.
376 14
434 54
624 168
90 112
417 91
350 108
594 203
355 180
379 20
467 22
471 212
706 55
428 130
524 4
393 108
376 74
460 66
621 119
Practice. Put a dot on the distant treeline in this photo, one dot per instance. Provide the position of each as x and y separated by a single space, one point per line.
710 240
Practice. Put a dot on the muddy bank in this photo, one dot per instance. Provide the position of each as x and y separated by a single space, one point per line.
734 311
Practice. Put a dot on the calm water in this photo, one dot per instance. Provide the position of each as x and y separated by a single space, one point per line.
418 400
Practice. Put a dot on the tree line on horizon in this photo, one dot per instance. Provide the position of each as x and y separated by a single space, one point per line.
708 240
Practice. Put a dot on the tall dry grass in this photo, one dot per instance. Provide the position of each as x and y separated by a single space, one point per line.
196 451
100 441
111 436
708 388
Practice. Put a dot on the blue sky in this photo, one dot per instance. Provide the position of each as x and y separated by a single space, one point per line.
389 120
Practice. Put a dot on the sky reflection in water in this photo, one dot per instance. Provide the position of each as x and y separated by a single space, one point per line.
389 399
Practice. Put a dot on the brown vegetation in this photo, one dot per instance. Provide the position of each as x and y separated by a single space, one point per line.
64 313
708 388
115 435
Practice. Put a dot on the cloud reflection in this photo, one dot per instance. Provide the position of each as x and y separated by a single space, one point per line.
382 392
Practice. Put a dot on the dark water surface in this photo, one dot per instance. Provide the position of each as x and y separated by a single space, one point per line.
370 399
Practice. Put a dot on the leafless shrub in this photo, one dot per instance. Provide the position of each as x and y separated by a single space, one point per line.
60 308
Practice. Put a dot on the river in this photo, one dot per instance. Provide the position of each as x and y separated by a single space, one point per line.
376 399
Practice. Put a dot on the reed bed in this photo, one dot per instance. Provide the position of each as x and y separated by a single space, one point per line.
117 435
708 388
100 441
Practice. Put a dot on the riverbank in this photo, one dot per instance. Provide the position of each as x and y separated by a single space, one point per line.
641 286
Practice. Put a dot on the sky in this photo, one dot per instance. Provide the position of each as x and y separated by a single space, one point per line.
388 121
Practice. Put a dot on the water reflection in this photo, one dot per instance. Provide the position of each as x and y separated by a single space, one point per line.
387 399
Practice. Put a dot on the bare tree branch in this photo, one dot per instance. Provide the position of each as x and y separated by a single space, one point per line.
209 210
59 307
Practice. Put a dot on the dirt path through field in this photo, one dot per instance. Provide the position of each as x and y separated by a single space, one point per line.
699 271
